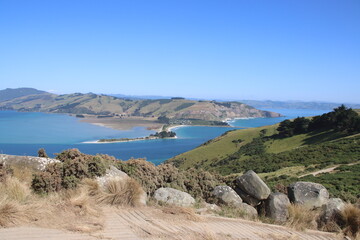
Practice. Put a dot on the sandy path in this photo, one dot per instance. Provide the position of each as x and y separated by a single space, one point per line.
150 223
327 170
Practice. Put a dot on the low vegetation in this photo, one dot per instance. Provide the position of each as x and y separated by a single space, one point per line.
80 207
197 183
283 152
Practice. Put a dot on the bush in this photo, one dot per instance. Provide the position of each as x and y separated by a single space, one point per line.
197 183
44 182
73 167
96 167
42 153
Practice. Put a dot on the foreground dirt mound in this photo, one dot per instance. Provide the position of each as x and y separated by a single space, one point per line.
161 223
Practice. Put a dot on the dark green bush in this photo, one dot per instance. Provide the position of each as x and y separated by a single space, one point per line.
73 167
44 182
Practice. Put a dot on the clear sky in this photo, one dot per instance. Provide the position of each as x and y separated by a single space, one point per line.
278 50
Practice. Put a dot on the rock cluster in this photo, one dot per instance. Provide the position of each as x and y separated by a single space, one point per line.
251 191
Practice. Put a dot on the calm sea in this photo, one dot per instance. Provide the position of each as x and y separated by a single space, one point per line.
24 133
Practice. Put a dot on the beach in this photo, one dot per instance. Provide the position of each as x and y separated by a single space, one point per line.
124 123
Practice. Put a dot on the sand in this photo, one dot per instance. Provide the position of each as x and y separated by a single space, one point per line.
150 223
124 123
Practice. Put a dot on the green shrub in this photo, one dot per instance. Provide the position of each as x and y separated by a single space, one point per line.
96 167
44 182
69 182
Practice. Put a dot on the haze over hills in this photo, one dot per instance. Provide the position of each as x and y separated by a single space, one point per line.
94 104
257 103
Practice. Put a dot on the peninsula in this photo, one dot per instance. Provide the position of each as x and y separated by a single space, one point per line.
157 135
123 113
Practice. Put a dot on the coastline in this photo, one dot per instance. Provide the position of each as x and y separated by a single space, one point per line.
127 140
123 124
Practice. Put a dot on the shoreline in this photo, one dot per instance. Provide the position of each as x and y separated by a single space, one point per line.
127 140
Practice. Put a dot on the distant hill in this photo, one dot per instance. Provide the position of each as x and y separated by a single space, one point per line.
281 160
174 108
138 97
256 148
257 103
296 104
12 93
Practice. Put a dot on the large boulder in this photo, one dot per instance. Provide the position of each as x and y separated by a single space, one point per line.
173 196
249 211
277 207
226 195
311 195
247 198
331 210
252 184
36 163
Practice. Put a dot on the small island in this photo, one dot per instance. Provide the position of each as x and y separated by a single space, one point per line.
157 135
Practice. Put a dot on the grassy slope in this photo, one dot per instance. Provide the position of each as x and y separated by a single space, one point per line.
211 153
219 147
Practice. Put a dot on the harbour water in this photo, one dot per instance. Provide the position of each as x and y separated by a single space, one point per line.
23 133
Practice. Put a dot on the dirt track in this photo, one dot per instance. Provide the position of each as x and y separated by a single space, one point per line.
150 223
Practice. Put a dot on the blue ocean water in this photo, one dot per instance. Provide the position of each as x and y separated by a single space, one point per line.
24 133
287 114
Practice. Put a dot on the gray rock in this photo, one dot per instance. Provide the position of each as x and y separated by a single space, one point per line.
226 195
277 207
331 209
249 211
247 198
36 163
311 195
173 196
111 174
209 208
252 184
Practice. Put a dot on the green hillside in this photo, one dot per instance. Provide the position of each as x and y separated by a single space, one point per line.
94 104
325 151
265 149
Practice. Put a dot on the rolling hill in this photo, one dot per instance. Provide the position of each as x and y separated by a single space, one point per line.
281 160
90 103
10 93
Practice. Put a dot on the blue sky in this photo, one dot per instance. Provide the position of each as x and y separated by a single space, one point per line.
279 50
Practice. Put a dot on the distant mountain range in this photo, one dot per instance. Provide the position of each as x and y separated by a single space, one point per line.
296 104
9 93
95 104
260 104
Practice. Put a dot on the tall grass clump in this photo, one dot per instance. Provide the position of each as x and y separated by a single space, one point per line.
14 190
120 192
301 217
350 221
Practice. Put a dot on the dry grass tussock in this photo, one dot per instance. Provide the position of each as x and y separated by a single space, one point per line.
350 221
116 192
301 218
187 213
201 234
12 213
14 190
13 198
72 209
